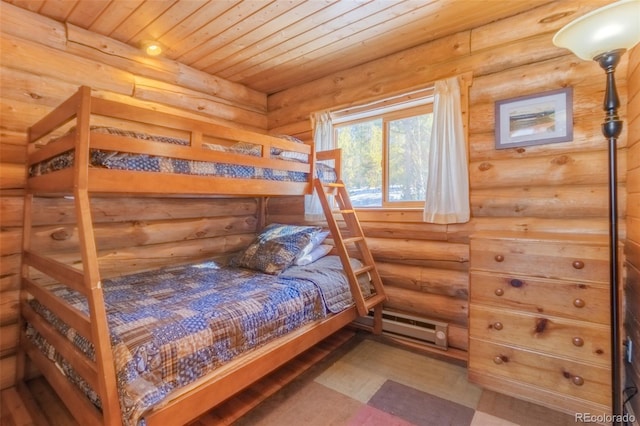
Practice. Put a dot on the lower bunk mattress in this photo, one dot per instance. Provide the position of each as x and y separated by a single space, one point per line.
172 326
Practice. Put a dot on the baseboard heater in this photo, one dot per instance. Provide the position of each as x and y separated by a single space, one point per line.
410 327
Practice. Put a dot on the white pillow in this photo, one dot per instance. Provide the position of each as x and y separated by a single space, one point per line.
317 253
316 239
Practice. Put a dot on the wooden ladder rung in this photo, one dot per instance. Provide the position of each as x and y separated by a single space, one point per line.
352 240
374 300
346 211
363 270
334 185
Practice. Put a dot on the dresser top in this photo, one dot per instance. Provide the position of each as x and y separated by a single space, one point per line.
573 238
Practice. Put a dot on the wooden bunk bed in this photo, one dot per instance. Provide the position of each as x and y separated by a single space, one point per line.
67 167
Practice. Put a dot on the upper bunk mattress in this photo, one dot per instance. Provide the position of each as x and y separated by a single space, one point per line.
171 326
151 163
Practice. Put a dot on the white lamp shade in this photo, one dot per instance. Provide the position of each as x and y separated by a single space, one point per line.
612 27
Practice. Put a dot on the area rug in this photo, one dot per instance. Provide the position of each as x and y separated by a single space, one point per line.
418 407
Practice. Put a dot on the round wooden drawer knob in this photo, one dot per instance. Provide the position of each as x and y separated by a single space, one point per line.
578 264
499 359
579 303
499 292
497 325
499 258
578 341
577 380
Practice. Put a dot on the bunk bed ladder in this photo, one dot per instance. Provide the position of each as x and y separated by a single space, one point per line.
353 237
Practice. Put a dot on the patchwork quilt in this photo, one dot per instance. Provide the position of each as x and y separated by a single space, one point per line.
172 326
151 163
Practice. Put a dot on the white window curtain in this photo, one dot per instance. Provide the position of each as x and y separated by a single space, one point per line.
323 140
447 198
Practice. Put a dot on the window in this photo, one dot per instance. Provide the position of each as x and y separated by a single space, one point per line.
385 149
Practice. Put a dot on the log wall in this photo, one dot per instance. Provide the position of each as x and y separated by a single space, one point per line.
552 187
425 267
43 63
632 246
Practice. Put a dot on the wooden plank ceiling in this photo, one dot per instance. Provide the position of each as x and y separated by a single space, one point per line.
270 45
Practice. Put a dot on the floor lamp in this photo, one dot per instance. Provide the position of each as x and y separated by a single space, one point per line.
603 36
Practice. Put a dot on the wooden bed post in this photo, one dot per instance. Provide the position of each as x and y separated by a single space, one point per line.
261 213
99 326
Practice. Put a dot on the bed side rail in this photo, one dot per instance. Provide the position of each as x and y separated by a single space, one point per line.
46 272
202 137
61 115
83 410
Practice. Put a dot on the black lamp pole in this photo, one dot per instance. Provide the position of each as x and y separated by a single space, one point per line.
611 129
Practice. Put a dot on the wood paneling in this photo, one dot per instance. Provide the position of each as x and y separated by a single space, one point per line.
81 57
133 234
266 45
549 188
539 188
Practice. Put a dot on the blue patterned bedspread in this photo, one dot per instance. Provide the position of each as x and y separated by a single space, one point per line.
172 326
152 163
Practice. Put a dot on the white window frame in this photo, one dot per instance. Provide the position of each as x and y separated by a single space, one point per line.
407 105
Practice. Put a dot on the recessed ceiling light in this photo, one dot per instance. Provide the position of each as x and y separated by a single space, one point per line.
152 48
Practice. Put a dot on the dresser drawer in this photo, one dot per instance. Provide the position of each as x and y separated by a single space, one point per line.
559 375
569 299
580 340
540 258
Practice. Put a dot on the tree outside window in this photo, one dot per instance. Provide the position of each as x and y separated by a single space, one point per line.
385 157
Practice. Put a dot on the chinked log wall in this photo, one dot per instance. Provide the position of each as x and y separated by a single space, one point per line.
556 187
43 63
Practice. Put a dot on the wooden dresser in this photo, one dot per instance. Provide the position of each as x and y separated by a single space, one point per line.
539 318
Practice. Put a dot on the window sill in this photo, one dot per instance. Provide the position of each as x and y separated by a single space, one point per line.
389 209
386 214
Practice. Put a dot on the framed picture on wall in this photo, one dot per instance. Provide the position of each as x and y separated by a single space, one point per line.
535 119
